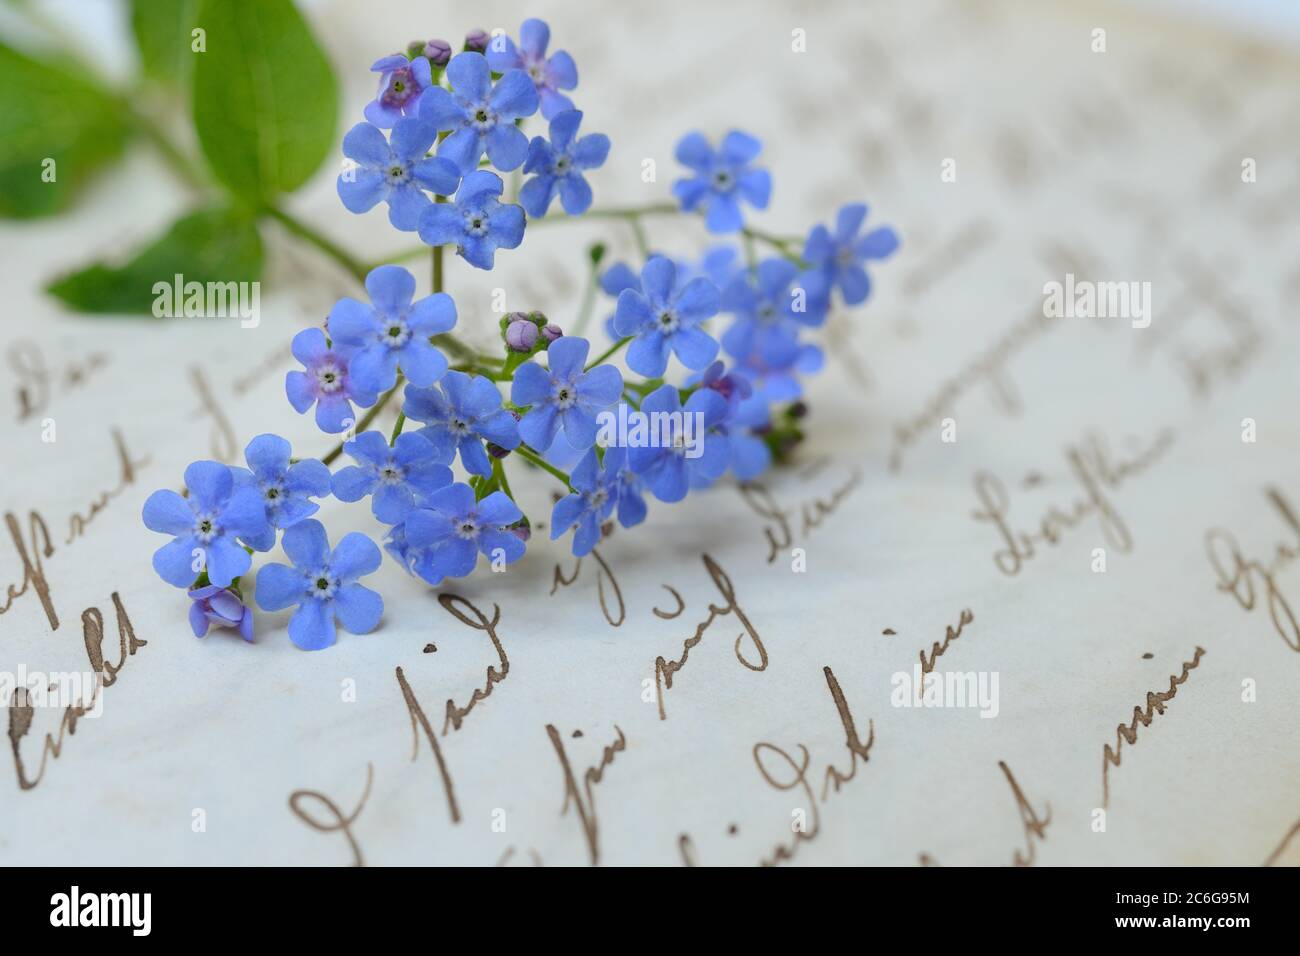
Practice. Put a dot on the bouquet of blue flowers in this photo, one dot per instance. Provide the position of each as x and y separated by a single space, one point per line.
432 148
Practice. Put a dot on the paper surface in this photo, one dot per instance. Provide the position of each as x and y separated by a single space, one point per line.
691 695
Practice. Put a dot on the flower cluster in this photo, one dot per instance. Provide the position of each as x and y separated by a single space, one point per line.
716 350
451 121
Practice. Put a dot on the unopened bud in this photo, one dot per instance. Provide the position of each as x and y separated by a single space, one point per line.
476 41
438 52
551 332
521 335
495 450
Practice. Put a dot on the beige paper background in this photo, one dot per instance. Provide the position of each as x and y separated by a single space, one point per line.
1119 166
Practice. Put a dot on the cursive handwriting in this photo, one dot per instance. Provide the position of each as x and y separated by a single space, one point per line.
340 822
21 713
456 715
795 774
603 575
1127 733
1034 827
778 531
583 800
30 553
37 382
472 617
936 649
665 669
126 478
1239 576
1096 471
420 721
222 442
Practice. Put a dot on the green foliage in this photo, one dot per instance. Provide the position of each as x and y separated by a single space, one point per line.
265 103
162 36
57 129
211 245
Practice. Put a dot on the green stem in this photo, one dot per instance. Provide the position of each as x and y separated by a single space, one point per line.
406 255
588 301
366 419
499 470
527 454
397 429
643 387
437 256
306 232
782 246
181 164
608 352
639 234
454 346
614 212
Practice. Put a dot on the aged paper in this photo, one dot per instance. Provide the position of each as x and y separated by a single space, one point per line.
723 686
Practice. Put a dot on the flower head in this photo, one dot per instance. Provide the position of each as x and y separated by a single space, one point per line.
323 583
396 477
478 223
721 179
663 318
549 76
325 383
222 607
564 395
746 423
770 308
747 418
286 490
392 332
774 372
459 415
839 256
669 468
719 264
205 526
394 171
401 81
598 487
631 504
559 165
445 535
481 116
396 545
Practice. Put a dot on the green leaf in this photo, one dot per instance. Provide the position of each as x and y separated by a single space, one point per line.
162 35
211 245
57 128
265 102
